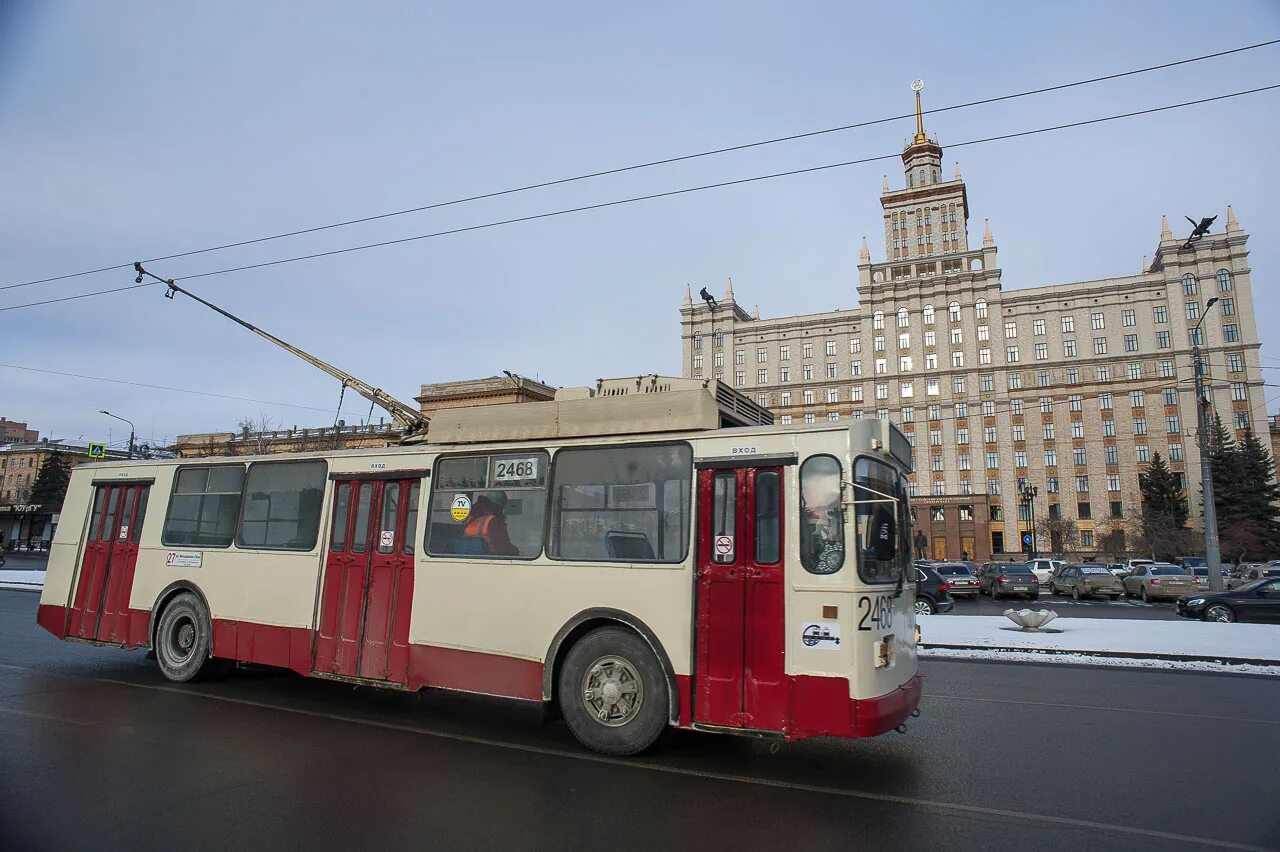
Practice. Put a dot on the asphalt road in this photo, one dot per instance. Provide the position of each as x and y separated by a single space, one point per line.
1068 608
98 751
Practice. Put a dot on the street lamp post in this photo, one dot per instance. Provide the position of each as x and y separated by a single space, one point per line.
1211 555
1029 493
131 429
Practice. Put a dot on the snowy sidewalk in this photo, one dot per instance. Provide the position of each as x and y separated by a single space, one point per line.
1177 642
30 580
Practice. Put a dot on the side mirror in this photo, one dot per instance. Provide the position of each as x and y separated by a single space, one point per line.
884 537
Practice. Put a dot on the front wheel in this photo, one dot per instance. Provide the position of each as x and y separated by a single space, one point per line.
184 639
613 692
1220 613
924 606
1143 594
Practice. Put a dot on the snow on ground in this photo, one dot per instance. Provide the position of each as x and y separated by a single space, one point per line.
33 580
1111 636
1095 660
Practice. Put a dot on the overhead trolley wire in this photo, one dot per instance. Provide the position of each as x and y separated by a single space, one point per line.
656 195
659 162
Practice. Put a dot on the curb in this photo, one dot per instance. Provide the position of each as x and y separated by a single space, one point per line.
1121 655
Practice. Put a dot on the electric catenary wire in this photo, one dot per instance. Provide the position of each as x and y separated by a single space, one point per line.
659 162
667 194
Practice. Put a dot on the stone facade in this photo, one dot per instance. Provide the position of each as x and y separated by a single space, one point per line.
1070 388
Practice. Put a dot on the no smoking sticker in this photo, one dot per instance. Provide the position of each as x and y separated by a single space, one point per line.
724 545
386 538
460 508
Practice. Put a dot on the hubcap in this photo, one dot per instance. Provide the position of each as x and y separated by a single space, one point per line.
182 639
922 608
612 691
1218 613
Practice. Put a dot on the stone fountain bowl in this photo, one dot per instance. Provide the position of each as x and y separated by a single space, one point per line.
1030 620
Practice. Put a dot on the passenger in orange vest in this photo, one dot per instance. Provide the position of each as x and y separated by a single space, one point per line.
488 524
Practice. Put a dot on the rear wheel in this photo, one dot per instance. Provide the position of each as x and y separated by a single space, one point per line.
613 692
184 639
1075 593
1144 596
924 606
1220 613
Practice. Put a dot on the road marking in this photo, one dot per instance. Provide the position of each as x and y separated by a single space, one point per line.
1100 707
45 716
588 757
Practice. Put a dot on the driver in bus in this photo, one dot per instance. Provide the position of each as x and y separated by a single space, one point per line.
488 524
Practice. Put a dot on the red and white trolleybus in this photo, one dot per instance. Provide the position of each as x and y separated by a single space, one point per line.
634 557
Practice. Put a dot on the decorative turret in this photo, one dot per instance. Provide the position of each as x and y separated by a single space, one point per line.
728 291
688 297
987 239
1165 233
864 256
1232 225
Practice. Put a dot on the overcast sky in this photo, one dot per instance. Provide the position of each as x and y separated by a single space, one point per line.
140 129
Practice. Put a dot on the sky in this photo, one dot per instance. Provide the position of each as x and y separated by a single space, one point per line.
145 129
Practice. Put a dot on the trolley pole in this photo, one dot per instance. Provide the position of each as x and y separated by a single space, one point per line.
1211 554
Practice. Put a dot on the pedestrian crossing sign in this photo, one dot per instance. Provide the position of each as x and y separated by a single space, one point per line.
97 451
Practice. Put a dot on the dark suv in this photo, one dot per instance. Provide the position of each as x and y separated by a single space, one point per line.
933 594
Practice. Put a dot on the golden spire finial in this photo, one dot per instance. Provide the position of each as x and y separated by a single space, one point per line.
916 86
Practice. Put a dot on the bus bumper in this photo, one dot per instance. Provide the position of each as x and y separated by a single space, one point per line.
875 716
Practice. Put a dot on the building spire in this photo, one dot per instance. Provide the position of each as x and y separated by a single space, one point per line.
1144 264
688 297
864 255
1165 233
987 239
728 292
884 184
1232 224
757 313
957 170
917 85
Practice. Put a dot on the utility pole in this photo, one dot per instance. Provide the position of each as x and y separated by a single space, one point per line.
1211 554
131 429
1029 493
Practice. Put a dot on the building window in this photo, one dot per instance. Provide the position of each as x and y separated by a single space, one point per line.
833 416
957 336
784 353
993 487
1188 285
1015 407
1238 392
831 348
903 319
927 315
806 372
855 368
962 461
993 461
1162 340
1019 433
1143 453
1084 511
1161 314
909 416
1042 351
1099 322
1047 430
882 390
1042 379
855 345
1172 424
697 341
1224 281
930 361
931 387
1014 381
957 384
1079 457
1170 396
936 464
740 377
989 434
984 332
807 350
1077 429
1037 327
877 320
1139 425
962 410
762 377
1104 374
1073 375
1011 354
1109 428
1104 400
1110 454
718 339
980 307
1082 483
1175 452
1046 405
934 412
697 363
1131 343
786 419
1133 371
986 383
718 359
1050 458
785 398
1099 346
1193 310
1128 318
877 343
953 311
855 393
808 417
807 397
1069 348
1010 329
831 369
784 374
762 355
739 357
962 436
1230 333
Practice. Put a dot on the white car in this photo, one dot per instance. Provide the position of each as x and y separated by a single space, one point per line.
1044 568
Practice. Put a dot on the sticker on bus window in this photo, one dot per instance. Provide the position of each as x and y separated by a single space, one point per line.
821 634
515 469
460 508
724 545
124 533
387 538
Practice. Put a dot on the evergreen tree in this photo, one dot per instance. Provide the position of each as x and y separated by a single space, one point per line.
1224 467
51 482
1164 510
1259 493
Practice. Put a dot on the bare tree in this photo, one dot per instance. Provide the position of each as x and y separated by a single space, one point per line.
255 437
1061 533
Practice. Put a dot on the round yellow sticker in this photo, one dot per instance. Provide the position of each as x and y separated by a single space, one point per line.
461 507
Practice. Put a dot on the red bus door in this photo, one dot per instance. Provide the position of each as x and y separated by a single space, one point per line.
100 608
367 594
740 676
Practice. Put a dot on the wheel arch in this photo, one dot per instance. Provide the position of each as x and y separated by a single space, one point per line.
167 594
585 622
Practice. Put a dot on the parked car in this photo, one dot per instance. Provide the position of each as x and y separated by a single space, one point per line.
1117 569
1190 562
1009 578
1158 580
1085 581
933 594
1201 576
1044 568
1250 574
1256 601
1132 565
959 577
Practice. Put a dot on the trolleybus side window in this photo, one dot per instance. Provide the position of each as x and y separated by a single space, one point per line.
724 503
768 517
360 534
390 514
821 520
411 519
488 505
136 534
338 535
882 520
282 506
204 506
622 503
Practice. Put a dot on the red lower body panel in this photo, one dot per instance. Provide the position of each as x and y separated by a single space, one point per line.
821 706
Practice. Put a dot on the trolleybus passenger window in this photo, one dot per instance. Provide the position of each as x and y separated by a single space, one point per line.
204 506
411 519
821 521
488 505
622 503
282 505
96 521
390 514
768 518
724 514
341 505
881 510
109 528
360 535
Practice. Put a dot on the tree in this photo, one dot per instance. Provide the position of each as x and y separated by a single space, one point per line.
1061 533
1164 510
51 481
1254 529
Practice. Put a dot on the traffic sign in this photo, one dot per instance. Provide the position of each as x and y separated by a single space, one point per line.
1026 538
97 451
